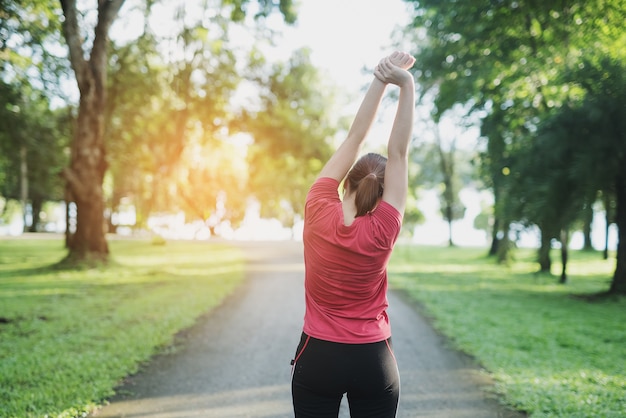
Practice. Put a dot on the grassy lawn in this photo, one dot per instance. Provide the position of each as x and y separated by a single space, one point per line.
68 337
552 351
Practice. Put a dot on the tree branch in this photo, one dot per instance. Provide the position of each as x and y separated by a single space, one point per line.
107 11
72 38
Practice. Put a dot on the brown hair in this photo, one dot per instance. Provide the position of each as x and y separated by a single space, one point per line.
366 178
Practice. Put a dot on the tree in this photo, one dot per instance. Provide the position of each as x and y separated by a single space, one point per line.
559 175
504 59
88 163
173 154
212 183
33 136
292 132
32 142
608 202
444 167
545 194
88 157
188 88
37 156
452 209
595 129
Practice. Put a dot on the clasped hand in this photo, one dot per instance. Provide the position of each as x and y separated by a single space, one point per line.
393 68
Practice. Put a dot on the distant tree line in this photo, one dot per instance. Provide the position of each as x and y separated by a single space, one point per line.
97 117
547 81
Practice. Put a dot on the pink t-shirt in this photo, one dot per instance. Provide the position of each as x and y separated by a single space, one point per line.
346 268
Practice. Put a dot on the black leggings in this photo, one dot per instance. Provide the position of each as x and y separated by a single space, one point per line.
323 371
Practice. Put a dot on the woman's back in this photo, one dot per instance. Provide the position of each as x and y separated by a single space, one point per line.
346 268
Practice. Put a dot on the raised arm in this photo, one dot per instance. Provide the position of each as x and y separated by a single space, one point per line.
338 165
397 172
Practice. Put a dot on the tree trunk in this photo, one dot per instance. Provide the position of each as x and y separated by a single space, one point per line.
446 163
618 285
114 206
36 205
607 216
543 255
588 220
497 224
24 187
493 250
85 174
68 218
564 255
504 245
449 216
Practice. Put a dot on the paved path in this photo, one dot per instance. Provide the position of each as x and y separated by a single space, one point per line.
234 362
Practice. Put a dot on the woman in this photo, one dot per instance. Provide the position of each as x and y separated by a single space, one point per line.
345 346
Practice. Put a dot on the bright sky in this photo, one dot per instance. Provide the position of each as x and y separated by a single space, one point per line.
346 35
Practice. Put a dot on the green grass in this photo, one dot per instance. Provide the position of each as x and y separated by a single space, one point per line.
552 351
67 338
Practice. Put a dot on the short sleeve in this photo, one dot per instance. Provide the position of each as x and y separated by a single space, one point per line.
387 223
322 193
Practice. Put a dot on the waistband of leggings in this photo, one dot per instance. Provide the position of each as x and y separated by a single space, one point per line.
305 335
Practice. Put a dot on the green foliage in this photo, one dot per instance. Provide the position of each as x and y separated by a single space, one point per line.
167 93
292 134
265 7
509 62
69 337
31 132
483 221
9 210
445 168
34 137
162 107
413 216
171 118
558 175
553 350
30 35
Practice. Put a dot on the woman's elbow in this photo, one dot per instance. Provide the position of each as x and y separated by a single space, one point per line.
398 153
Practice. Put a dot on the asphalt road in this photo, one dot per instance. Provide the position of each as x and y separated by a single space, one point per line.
234 362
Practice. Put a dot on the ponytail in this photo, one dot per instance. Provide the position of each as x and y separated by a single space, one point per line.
366 180
367 193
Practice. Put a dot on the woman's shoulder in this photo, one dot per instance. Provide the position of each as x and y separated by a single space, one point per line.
387 209
325 182
386 223
324 187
